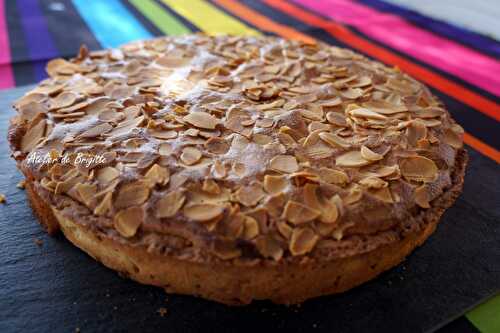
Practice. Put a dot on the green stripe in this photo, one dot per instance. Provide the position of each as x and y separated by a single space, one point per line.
486 317
166 22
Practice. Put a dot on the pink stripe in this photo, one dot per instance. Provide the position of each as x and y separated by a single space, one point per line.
442 53
6 75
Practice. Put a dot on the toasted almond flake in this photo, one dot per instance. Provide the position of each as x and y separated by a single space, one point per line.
63 100
275 184
334 140
87 193
352 159
373 182
95 131
128 221
211 186
302 241
269 247
383 107
170 204
418 168
297 213
203 212
250 195
370 155
284 163
352 93
336 119
366 113
383 194
105 205
416 131
251 228
217 145
332 176
132 194
2 198
422 196
165 149
21 184
355 194
190 155
107 174
453 139
165 135
158 175
201 120
33 136
125 127
262 139
219 170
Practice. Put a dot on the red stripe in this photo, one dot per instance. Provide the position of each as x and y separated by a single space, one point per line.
6 74
343 34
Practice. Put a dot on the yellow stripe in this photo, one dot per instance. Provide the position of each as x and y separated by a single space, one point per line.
209 18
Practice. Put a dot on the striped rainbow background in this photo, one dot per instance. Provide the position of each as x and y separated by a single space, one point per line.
450 45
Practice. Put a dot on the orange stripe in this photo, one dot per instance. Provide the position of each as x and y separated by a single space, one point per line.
340 32
264 23
482 147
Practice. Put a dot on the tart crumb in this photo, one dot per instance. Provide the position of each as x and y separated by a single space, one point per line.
162 311
2 198
21 184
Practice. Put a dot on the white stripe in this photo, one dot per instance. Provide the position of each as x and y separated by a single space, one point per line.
481 16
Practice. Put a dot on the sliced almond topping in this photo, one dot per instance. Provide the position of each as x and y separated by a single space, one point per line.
422 196
219 170
370 155
165 149
105 205
366 113
275 184
132 194
87 193
251 228
210 186
302 241
336 119
33 136
190 155
158 175
107 174
453 139
297 213
334 140
332 176
170 204
355 194
127 221
201 120
250 195
63 100
269 247
352 159
373 182
418 168
284 163
383 194
217 145
261 139
203 212
95 131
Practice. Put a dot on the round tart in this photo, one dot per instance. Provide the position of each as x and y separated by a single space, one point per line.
238 168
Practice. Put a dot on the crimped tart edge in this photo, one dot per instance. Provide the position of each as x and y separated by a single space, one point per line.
284 282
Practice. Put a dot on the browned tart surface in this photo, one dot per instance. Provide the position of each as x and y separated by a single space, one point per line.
239 150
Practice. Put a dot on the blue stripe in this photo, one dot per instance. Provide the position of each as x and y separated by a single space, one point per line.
461 35
110 22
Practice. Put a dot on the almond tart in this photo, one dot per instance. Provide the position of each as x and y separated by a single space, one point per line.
237 168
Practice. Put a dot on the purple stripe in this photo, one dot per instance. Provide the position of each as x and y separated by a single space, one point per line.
40 44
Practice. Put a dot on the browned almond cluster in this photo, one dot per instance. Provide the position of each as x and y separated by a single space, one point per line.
237 147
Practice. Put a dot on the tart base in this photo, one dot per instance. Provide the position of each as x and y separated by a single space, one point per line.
286 283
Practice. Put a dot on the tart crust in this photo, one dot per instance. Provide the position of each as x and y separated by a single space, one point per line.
283 282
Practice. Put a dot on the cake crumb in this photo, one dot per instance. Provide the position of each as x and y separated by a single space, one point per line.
2 198
38 241
162 311
21 184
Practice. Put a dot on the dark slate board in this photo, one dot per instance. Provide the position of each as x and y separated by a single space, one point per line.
57 288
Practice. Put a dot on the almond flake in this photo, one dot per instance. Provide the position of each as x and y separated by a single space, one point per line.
33 136
332 176
127 221
250 195
63 100
190 155
297 213
269 247
366 113
251 228
158 175
352 159
453 139
284 163
422 197
302 241
418 168
373 182
132 194
170 204
201 120
217 145
334 140
275 184
203 212
370 155
107 174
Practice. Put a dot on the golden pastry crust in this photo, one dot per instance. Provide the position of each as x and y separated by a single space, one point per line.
222 152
